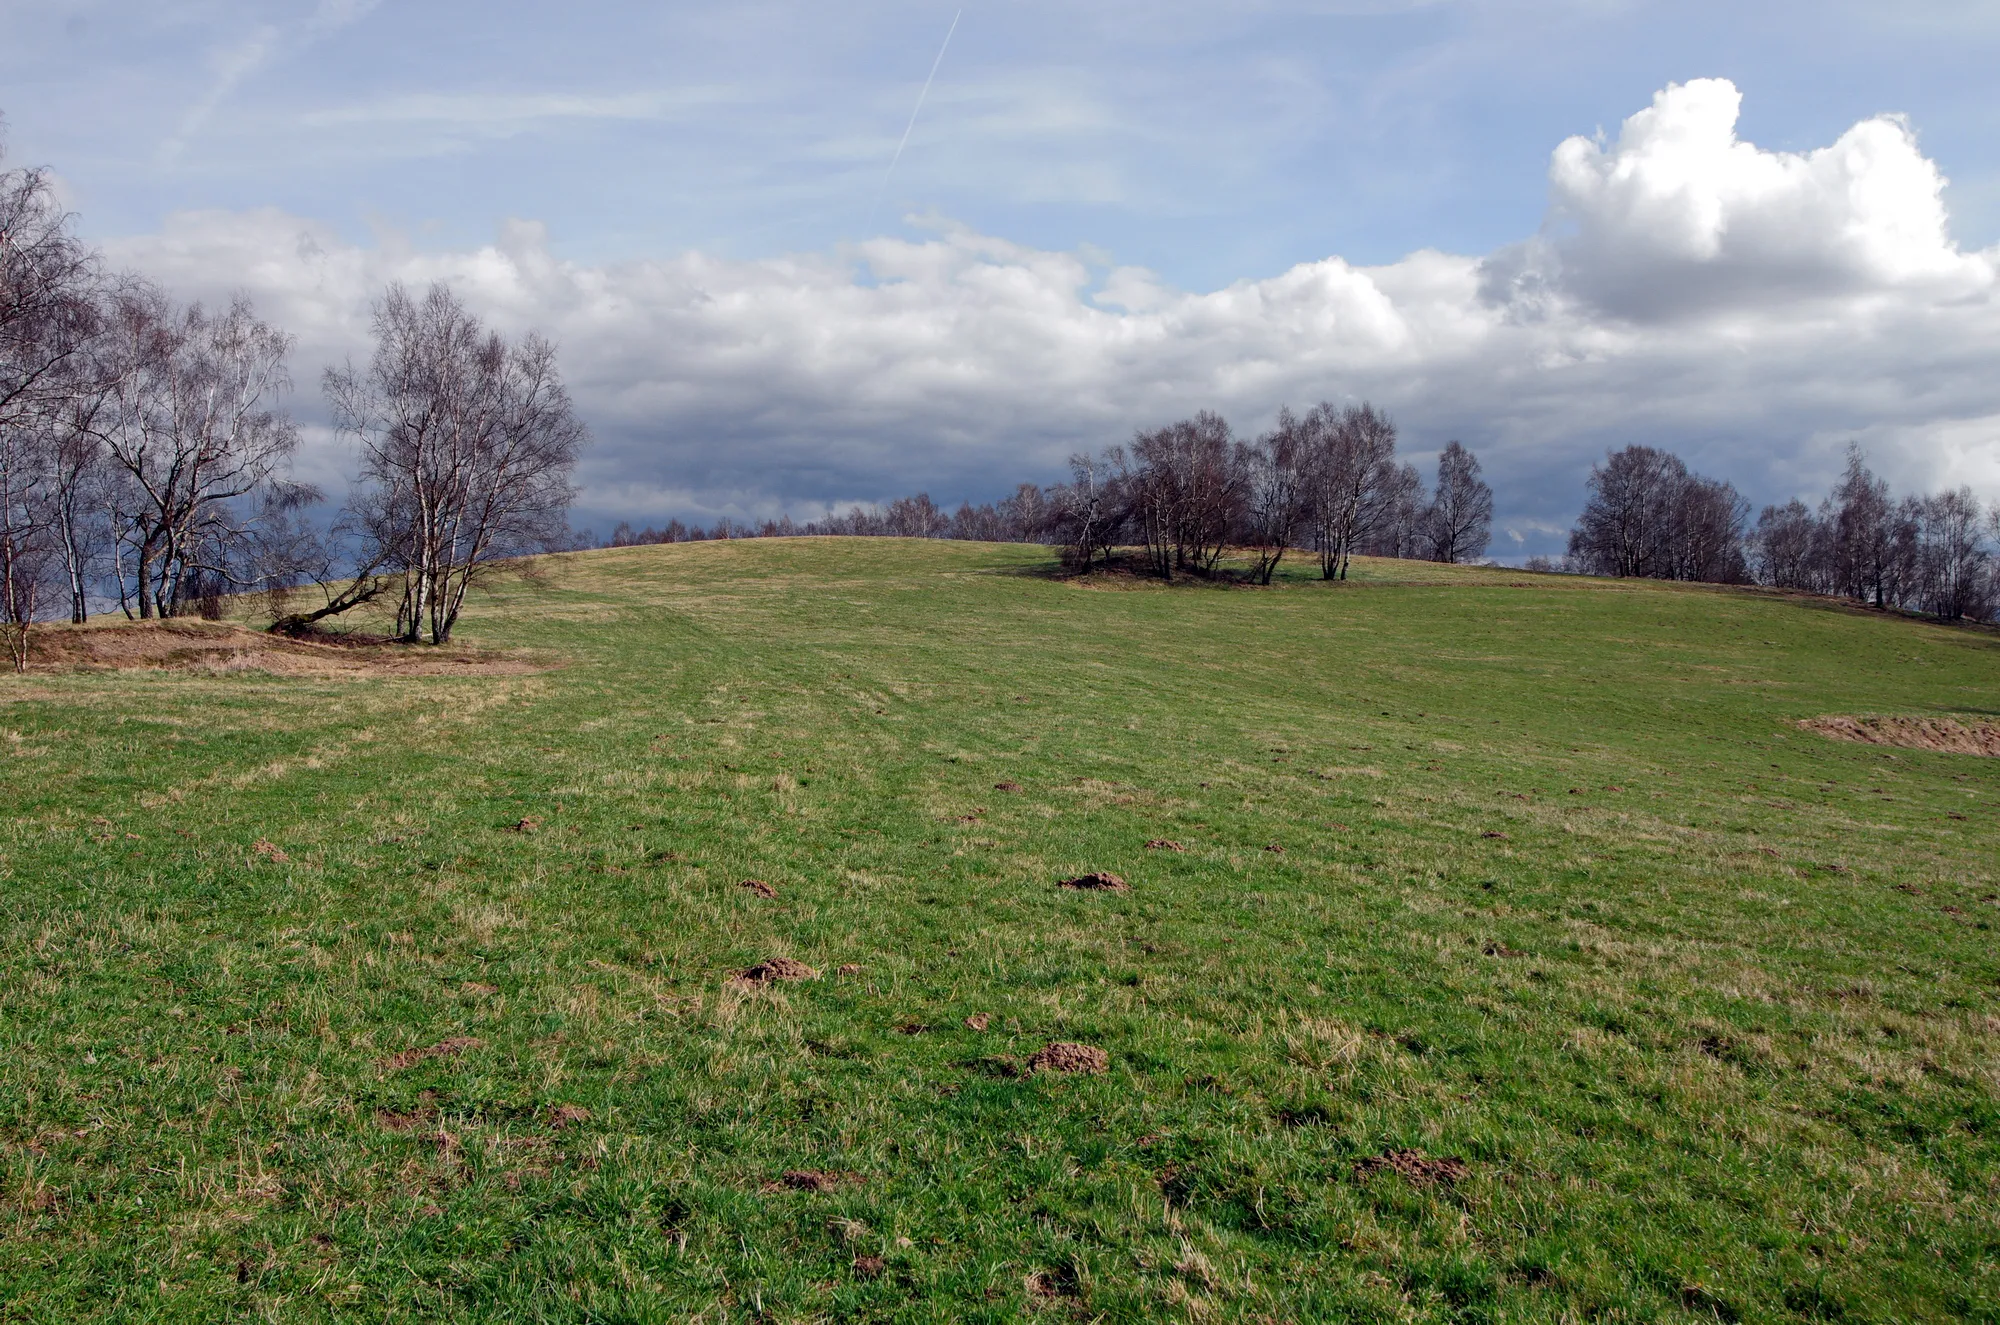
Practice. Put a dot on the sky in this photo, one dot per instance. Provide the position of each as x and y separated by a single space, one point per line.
1748 233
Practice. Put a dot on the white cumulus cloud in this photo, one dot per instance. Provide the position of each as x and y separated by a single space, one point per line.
1751 309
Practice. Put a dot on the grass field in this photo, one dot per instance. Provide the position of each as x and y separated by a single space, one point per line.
1707 1006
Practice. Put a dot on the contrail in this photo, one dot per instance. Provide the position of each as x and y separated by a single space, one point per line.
918 110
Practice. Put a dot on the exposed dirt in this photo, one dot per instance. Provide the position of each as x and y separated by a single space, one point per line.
567 1115
818 1180
1061 1057
270 851
776 968
1100 882
391 1120
222 648
759 887
450 1048
979 1021
1419 1169
1940 734
1162 844
1006 786
869 1267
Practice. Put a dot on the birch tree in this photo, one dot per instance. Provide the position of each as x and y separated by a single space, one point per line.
1458 522
195 433
467 447
1351 470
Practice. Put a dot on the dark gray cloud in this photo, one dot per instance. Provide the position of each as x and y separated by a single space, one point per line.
1752 309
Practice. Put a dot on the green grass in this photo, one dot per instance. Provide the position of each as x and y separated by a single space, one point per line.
1715 1025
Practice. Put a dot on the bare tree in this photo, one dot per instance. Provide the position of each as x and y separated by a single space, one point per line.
1087 512
1865 532
1703 533
1952 579
1278 494
1188 487
1622 529
1789 548
1458 522
195 431
468 443
916 517
48 323
1351 478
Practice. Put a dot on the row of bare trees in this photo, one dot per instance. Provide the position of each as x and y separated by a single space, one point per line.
1931 553
145 453
1327 479
1649 516
1188 492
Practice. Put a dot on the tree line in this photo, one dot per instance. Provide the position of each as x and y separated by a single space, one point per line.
145 451
1649 516
1184 494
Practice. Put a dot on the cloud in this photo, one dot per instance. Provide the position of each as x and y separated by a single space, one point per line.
1751 309
1679 215
234 63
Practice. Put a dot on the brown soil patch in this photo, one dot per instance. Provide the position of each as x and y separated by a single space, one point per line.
979 1021
1099 881
222 648
1275 849
759 887
1006 786
818 1180
270 851
1417 1168
869 1267
1162 844
1497 837
776 968
450 1048
567 1115
1940 734
527 825
848 968
1061 1057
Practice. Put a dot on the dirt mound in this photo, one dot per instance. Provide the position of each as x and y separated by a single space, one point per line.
1099 881
220 648
450 1048
759 887
776 968
1940 734
1060 1057
1417 1168
818 1180
567 1115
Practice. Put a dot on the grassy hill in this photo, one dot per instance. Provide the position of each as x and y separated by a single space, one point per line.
1524 960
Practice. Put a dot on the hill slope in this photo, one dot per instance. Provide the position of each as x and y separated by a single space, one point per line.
1522 959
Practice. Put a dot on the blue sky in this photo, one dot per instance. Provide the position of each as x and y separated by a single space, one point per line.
669 146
